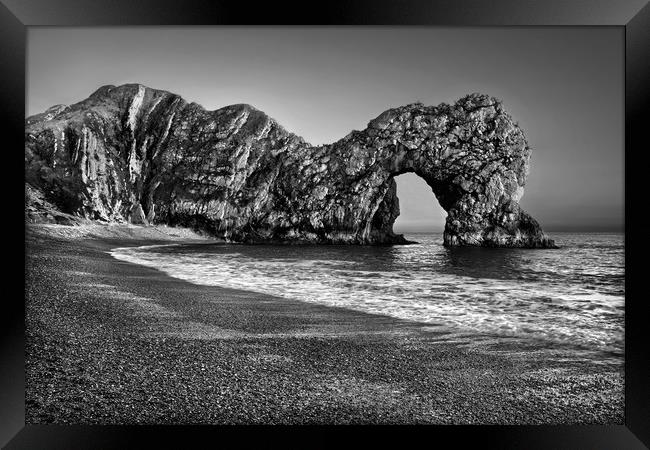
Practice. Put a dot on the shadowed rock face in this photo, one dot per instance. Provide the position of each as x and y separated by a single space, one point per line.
141 155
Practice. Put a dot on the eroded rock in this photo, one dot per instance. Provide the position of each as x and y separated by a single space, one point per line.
141 155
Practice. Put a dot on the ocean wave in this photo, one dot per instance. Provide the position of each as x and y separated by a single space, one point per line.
425 283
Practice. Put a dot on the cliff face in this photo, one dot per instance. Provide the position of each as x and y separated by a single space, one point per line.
141 155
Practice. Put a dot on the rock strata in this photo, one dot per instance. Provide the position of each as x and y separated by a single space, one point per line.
141 155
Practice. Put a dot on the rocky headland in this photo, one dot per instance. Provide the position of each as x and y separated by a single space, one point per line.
132 154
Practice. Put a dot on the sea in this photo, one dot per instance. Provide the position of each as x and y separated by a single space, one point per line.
573 295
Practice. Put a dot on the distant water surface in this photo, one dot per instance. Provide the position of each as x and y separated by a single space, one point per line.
574 294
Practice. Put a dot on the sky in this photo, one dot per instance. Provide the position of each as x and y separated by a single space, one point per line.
563 85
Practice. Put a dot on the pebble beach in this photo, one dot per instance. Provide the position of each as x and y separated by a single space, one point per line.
111 342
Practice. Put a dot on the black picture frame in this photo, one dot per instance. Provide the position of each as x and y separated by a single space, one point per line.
632 15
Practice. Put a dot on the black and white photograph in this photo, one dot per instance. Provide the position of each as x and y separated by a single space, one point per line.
324 225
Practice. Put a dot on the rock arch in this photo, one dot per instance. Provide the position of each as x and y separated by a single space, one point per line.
132 153
471 154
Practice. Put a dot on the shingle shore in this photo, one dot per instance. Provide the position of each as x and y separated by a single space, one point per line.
109 342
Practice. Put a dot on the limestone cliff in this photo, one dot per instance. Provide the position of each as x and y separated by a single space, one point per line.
131 153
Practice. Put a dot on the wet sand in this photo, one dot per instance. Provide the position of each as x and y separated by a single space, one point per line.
109 342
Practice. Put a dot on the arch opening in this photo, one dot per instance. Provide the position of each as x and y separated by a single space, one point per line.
419 209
